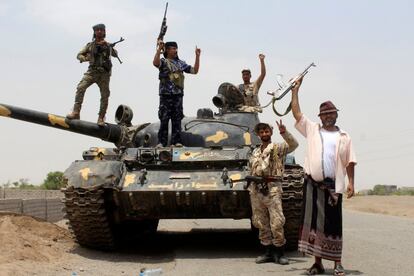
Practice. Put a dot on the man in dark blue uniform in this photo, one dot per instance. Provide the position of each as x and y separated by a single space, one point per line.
171 89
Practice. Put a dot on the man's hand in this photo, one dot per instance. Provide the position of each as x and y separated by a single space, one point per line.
281 126
160 46
350 190
297 84
261 57
197 51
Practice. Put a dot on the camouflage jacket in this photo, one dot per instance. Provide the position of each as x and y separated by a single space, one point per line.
271 161
97 58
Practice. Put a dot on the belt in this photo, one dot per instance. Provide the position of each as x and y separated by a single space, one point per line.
327 184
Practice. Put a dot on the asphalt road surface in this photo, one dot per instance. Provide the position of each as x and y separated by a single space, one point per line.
373 245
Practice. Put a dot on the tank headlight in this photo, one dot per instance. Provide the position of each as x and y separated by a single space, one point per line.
164 155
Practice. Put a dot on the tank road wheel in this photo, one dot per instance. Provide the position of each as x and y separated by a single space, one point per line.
292 198
88 220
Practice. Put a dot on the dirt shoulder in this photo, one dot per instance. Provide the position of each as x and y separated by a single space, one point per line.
401 206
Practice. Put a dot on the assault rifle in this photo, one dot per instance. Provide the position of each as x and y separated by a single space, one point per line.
284 88
112 45
260 181
164 26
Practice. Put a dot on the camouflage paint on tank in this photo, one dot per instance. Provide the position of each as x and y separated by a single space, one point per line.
4 111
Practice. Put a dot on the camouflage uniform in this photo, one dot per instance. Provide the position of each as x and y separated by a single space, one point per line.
99 72
171 91
250 94
267 209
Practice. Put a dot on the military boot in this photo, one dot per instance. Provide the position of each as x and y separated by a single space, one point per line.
279 256
267 256
75 114
101 119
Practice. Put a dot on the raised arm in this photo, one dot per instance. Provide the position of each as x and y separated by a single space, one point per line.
295 100
157 61
197 60
287 136
262 70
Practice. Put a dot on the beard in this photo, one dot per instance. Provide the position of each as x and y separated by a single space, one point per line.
329 122
265 139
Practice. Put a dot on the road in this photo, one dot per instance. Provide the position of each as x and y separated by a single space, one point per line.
373 245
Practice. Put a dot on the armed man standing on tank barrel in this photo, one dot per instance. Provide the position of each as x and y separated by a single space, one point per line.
98 53
268 161
250 90
171 89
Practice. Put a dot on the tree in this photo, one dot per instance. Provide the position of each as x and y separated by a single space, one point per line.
53 181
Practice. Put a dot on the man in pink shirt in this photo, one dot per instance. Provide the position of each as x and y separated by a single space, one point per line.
329 158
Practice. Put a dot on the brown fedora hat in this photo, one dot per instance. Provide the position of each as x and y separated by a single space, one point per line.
327 107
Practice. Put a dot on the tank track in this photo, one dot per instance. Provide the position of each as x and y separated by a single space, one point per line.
88 220
292 198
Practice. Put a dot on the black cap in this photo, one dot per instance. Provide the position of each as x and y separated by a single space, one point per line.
98 26
170 44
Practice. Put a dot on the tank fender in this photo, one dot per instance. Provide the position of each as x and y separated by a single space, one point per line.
93 173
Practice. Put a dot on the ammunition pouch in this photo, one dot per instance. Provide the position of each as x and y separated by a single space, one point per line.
107 65
177 78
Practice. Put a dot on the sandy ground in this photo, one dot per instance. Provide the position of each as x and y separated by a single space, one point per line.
401 206
211 247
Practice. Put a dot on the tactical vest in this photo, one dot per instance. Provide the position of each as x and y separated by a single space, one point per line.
175 75
250 98
101 56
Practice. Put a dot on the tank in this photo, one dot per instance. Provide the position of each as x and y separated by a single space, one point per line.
130 187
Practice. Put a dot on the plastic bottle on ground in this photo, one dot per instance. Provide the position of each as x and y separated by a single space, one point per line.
151 272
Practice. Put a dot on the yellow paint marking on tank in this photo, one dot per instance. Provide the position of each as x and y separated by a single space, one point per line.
100 152
161 186
57 120
85 173
4 111
129 179
204 185
219 136
247 138
236 176
189 155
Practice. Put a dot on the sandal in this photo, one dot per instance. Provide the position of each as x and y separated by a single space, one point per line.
316 269
339 270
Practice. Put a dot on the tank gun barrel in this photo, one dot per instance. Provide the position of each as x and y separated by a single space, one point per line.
110 132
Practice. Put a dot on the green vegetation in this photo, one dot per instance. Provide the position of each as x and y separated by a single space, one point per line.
53 181
390 190
23 183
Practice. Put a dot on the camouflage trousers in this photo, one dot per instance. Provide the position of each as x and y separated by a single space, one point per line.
171 107
101 78
268 215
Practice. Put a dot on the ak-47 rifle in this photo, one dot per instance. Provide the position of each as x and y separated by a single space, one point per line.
164 26
260 181
112 45
284 88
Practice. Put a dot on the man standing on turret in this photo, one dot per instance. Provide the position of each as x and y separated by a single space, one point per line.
171 89
250 90
98 53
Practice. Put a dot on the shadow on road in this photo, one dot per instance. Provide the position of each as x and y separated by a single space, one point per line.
165 246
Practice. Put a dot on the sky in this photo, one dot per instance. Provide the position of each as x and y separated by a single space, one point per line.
363 51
